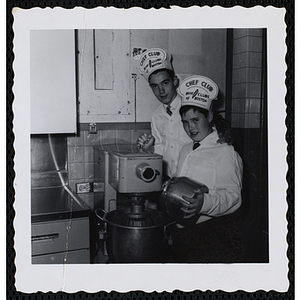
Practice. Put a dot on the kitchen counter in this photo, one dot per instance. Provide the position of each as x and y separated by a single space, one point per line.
60 227
55 203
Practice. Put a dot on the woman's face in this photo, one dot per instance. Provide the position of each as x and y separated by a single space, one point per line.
196 125
163 87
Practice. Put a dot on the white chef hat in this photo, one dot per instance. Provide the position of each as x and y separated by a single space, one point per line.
154 59
198 91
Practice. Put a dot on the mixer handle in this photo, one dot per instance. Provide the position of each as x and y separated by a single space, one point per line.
170 228
100 213
166 183
100 216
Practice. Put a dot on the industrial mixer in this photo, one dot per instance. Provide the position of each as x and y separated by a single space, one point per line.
134 233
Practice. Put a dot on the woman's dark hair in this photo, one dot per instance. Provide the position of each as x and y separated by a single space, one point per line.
170 72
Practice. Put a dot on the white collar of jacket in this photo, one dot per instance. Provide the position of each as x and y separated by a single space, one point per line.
174 104
209 139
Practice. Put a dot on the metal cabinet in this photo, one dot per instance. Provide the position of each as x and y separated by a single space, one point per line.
61 241
52 81
104 79
72 257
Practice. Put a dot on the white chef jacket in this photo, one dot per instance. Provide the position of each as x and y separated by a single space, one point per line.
220 168
169 133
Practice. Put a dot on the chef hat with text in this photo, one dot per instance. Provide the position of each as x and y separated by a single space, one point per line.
154 59
198 91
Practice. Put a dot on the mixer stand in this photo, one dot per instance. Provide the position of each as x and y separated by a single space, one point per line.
138 216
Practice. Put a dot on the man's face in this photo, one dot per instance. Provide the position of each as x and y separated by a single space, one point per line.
163 86
196 125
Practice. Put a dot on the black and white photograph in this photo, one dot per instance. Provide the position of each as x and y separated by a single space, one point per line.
129 195
154 148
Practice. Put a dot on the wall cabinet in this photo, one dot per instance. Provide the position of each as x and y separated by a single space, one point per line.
52 81
104 76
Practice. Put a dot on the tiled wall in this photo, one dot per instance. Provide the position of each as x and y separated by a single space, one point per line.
81 156
250 136
246 78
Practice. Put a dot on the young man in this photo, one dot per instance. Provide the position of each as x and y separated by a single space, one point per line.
215 165
167 134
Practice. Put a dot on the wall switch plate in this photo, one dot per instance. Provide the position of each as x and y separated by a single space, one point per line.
92 128
86 187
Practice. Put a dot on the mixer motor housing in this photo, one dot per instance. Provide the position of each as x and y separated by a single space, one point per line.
135 173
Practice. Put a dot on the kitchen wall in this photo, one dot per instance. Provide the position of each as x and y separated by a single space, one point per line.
48 161
248 113
247 78
108 90
81 160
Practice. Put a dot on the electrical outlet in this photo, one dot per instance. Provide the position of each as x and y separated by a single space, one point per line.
86 187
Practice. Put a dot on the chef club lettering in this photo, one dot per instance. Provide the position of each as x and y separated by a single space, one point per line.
203 84
152 64
155 54
196 95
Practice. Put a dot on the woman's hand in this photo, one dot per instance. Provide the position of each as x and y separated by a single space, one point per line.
192 206
145 142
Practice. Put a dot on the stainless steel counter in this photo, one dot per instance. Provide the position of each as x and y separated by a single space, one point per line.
60 224
55 203
60 228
